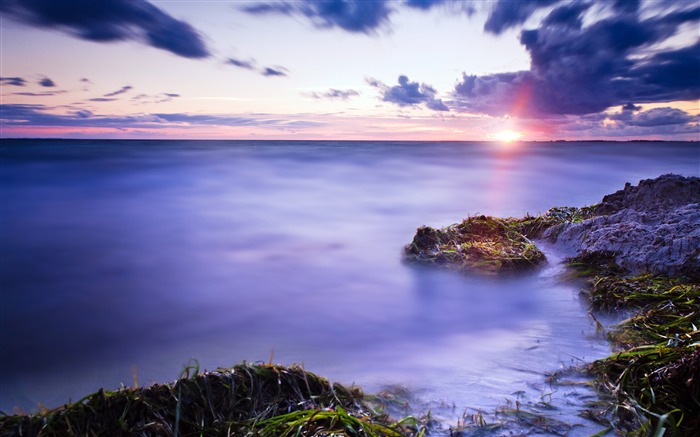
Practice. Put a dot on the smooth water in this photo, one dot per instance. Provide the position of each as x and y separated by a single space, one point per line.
135 256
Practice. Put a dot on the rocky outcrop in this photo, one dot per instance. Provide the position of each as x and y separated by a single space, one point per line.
478 244
653 227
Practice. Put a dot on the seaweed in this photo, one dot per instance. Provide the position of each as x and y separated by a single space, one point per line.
245 400
654 377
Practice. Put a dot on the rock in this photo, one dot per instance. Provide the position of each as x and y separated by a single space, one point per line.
650 228
653 227
478 244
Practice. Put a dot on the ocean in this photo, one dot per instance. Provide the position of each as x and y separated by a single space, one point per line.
124 260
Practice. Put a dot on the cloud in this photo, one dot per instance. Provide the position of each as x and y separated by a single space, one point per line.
42 94
248 65
83 113
274 71
46 82
584 70
657 122
362 16
654 117
121 90
631 107
355 16
508 13
408 93
113 20
335 94
102 99
569 15
425 4
40 116
154 98
359 16
14 81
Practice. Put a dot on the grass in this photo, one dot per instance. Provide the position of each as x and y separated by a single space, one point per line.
654 378
246 400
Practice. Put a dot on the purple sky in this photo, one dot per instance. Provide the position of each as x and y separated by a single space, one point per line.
341 69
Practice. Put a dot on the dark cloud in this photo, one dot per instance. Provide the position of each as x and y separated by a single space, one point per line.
362 16
509 13
335 94
357 16
111 20
464 6
274 71
631 107
121 90
583 70
408 93
425 4
569 15
248 65
14 81
352 15
102 99
46 82
628 6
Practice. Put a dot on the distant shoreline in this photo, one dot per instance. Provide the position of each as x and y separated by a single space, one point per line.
347 141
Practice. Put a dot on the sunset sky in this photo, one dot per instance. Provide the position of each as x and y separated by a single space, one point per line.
355 70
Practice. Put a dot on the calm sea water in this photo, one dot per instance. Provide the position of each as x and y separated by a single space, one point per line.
135 256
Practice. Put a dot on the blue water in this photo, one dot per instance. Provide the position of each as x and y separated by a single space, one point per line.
123 257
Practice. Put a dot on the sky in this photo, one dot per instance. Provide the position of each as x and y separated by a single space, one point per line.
351 70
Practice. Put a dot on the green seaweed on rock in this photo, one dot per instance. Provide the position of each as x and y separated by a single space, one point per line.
483 244
490 245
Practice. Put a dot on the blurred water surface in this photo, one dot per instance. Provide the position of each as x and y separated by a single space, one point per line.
121 255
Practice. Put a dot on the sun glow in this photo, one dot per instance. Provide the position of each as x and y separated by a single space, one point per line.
508 136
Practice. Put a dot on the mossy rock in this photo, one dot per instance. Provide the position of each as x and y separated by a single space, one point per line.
478 244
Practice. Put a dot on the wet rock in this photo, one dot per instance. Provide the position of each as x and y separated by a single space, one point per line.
653 227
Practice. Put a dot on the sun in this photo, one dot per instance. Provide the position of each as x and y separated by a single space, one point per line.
508 136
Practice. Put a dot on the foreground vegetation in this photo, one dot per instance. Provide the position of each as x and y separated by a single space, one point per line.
654 378
246 400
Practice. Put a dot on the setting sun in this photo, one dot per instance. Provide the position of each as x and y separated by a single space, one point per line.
508 136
